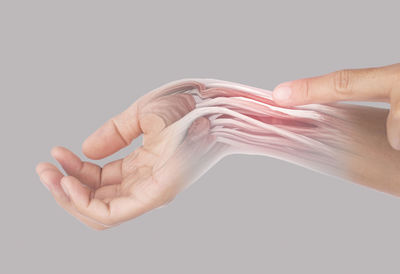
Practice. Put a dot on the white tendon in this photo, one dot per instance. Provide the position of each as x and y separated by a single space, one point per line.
245 120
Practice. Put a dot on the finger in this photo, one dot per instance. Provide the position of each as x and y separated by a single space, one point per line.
109 213
84 201
115 134
49 174
51 177
88 173
77 194
393 120
111 173
344 85
145 195
150 118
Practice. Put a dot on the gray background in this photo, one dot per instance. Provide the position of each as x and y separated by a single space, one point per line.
67 66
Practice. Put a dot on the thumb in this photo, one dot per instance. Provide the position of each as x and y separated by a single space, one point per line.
343 85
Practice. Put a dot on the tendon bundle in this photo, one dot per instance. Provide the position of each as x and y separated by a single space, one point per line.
246 120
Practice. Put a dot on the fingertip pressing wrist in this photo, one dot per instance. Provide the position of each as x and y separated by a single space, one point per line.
282 94
293 93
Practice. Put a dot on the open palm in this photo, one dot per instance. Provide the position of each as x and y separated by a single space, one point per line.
146 179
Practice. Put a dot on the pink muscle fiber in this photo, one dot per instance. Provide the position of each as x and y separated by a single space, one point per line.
189 125
245 120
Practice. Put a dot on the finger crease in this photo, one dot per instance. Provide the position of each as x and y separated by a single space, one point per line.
100 178
119 132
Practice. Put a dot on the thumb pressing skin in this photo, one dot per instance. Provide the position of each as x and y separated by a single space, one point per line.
283 93
302 91
348 85
342 85
321 89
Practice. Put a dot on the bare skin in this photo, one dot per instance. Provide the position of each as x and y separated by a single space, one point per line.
126 188
371 84
378 162
180 134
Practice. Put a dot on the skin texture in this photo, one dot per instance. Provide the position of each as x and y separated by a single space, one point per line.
190 125
369 84
148 178
369 159
126 188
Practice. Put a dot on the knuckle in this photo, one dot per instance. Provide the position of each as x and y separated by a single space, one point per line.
118 131
342 82
306 93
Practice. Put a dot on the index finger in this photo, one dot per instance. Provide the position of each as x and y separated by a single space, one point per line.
344 85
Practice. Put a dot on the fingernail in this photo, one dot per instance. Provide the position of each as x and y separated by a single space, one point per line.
65 188
282 93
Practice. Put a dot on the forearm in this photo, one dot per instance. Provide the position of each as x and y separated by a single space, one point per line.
343 140
190 125
370 160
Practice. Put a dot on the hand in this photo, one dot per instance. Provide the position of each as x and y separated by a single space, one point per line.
146 179
371 84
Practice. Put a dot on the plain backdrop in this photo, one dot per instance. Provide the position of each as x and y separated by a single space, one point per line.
68 66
